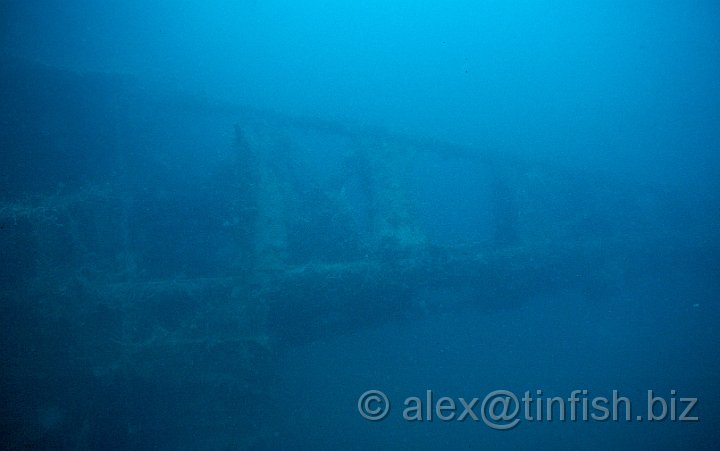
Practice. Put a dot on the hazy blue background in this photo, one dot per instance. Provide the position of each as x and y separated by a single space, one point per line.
626 88
625 85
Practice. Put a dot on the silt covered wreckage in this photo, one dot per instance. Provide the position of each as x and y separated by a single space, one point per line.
156 244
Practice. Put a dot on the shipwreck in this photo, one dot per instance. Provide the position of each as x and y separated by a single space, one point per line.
175 245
